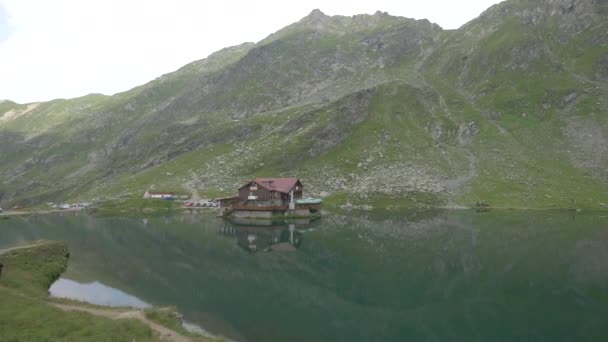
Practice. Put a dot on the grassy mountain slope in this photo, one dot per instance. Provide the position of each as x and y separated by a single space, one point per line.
510 109
546 114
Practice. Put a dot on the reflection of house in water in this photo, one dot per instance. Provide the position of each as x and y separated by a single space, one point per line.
254 238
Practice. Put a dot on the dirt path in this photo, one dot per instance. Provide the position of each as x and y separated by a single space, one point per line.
165 333
35 244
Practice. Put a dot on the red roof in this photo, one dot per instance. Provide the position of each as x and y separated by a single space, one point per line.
284 185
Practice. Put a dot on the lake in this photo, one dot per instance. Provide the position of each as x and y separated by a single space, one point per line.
375 276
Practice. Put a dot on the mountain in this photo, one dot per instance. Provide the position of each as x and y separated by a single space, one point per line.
510 109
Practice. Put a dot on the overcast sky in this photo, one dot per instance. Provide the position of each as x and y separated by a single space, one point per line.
69 48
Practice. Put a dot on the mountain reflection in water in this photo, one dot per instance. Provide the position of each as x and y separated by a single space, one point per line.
373 276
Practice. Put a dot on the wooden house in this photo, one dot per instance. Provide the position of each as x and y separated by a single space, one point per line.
271 191
270 195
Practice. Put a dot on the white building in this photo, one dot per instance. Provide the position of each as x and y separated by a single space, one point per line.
161 195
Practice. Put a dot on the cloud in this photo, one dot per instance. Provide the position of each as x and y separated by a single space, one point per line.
68 48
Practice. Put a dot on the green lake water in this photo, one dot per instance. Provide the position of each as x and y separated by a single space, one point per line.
378 276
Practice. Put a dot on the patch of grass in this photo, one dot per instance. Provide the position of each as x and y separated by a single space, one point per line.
32 270
336 199
26 316
137 205
169 176
28 319
383 201
169 317
213 193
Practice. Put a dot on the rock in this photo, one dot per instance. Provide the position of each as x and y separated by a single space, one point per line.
348 206
467 131
570 98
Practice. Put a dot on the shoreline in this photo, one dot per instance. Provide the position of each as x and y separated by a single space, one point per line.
38 212
160 320
11 213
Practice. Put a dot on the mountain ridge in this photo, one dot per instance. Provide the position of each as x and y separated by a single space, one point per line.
508 109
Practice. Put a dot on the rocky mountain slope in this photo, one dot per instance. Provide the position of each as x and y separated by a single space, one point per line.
511 109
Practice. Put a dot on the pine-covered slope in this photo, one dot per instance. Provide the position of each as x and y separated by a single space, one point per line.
510 109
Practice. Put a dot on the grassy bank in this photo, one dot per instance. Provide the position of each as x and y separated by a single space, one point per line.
337 201
342 200
171 318
137 205
381 201
27 314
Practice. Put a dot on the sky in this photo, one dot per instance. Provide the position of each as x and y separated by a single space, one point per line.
70 48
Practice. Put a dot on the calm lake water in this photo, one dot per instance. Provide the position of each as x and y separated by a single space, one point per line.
379 276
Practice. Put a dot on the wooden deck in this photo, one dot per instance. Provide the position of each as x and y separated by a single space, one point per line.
308 206
260 207
274 207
